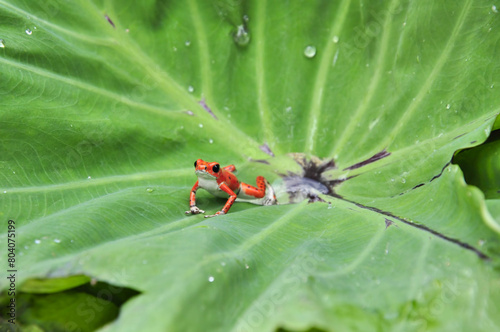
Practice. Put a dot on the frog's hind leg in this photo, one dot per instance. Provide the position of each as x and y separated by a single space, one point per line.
263 194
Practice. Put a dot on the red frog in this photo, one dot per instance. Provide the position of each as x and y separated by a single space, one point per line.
221 182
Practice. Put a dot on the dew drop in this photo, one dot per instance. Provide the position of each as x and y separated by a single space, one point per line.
211 141
187 43
335 39
2 45
190 89
89 177
330 205
200 125
211 279
448 106
310 51
37 241
26 247
246 266
57 241
29 32
494 9
241 37
5 191
246 18
403 180
288 109
150 190
223 263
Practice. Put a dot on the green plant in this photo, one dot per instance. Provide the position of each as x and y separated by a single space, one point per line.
105 105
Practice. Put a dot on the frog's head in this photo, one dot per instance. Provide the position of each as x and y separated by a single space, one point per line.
207 170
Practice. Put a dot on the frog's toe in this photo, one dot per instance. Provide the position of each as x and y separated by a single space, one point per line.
195 210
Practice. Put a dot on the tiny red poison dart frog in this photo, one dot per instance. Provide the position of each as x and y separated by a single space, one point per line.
221 182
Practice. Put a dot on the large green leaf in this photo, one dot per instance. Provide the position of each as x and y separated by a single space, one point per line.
105 105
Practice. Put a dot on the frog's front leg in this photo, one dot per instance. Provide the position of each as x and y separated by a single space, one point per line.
193 209
230 168
229 203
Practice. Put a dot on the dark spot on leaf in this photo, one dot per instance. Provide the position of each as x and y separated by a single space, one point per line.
473 142
389 223
459 136
311 182
206 108
266 149
441 173
418 185
314 198
372 159
262 161
109 20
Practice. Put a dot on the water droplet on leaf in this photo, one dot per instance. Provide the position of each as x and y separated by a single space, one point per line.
210 141
190 89
37 241
150 190
2 45
241 37
335 39
310 51
494 9
29 32
187 43
211 279
448 106
57 241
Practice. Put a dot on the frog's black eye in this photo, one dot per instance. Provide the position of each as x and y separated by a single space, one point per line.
195 163
215 168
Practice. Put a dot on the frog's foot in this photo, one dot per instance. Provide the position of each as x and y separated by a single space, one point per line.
218 213
194 210
270 197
